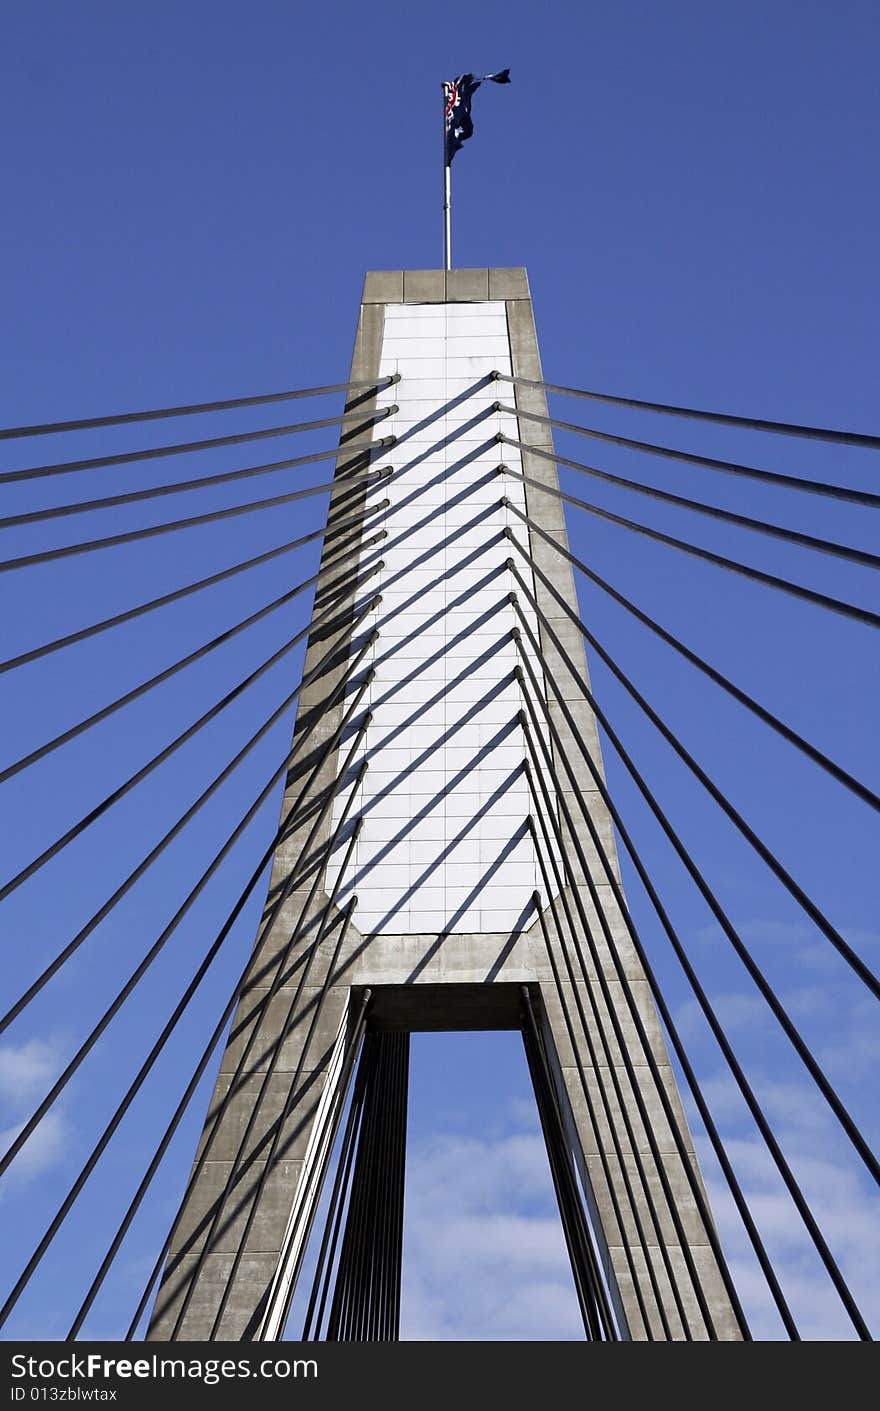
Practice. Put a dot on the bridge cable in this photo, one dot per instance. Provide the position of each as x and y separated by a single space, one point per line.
228 1011
156 851
39 472
812 752
823 488
380 1311
82 824
806 903
36 1257
783 428
139 1080
50 428
291 819
348 1314
638 1163
599 1321
326 1258
796 590
354 1244
693 1180
366 1298
662 1007
83 633
211 517
397 1160
256 1108
88 1043
533 765
152 492
742 1082
164 675
718 1030
298 874
760 980
330 1130
369 1060
588 1029
743 521
699 1099
340 1196
155 1160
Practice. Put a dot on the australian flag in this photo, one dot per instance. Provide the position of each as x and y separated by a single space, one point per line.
459 92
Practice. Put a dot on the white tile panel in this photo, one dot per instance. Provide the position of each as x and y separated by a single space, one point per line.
445 799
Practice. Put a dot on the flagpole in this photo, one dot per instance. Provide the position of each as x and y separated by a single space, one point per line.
447 231
447 238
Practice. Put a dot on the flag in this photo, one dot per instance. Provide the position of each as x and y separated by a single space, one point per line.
459 92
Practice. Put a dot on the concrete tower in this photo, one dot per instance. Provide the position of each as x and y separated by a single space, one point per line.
446 865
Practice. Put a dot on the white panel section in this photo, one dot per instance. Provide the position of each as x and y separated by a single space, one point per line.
444 846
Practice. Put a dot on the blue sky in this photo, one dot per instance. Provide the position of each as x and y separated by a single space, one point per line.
191 196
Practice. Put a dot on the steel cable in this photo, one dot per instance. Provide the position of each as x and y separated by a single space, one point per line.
661 1003
754 1107
83 633
784 428
595 1310
37 472
291 819
287 1026
588 1030
166 674
789 1028
769 580
650 1060
88 1043
659 999
627 1063
326 1258
78 828
328 1135
835 770
167 838
298 873
55 1224
210 517
771 477
743 521
366 1296
132 497
51 428
806 903
217 1034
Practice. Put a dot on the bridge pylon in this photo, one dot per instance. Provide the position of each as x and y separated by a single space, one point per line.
446 861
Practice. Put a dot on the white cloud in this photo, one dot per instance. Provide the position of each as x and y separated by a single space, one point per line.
26 1070
836 1016
41 1150
485 1255
837 1192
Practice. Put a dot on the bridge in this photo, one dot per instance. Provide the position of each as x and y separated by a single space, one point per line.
473 836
